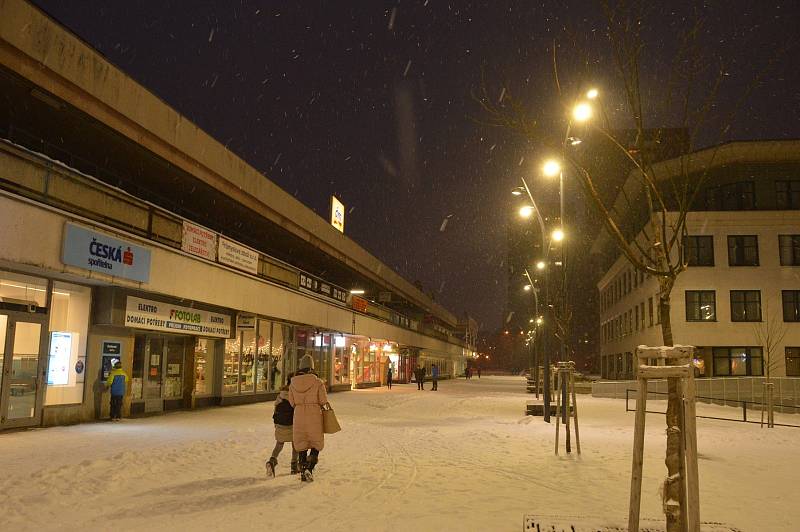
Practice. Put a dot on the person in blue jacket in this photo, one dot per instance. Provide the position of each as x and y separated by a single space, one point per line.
435 377
117 382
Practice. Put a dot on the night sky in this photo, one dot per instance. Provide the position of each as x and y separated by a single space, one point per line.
372 101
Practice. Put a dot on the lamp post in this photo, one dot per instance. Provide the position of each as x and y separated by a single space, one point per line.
541 265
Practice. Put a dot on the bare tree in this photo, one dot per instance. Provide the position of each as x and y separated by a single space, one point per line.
769 333
648 221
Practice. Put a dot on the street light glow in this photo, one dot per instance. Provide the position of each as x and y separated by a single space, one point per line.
357 291
539 320
582 112
517 192
527 288
551 168
540 265
592 93
525 211
558 235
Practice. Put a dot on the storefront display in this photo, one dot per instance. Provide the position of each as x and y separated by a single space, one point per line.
69 322
203 367
258 359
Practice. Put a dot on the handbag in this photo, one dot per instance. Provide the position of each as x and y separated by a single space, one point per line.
330 425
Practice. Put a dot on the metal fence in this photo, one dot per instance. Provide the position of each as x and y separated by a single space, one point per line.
726 391
744 409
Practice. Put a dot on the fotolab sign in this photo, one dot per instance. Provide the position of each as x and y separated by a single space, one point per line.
100 252
157 316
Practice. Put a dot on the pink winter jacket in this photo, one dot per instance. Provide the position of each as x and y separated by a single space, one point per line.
307 395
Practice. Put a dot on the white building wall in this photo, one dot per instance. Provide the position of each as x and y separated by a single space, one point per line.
31 240
769 277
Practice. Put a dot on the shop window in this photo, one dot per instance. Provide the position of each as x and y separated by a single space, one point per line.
204 366
745 305
701 305
69 322
737 361
264 364
793 361
791 305
247 364
139 353
230 378
742 250
22 290
341 360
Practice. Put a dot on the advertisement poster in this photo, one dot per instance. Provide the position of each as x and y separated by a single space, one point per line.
199 241
337 213
238 256
60 355
157 316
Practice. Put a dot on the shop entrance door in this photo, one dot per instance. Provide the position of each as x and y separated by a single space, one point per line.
23 344
159 362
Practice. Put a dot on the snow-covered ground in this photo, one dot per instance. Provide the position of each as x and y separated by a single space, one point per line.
463 458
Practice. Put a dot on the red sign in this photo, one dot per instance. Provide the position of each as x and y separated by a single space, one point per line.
359 304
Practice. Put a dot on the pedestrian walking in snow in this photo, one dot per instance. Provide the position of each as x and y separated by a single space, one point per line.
389 377
435 377
117 382
467 373
479 372
283 417
420 374
307 396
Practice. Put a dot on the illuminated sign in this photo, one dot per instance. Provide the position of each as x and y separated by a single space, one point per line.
157 316
100 252
337 214
199 241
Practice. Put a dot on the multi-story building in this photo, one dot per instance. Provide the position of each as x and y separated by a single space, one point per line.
128 234
743 253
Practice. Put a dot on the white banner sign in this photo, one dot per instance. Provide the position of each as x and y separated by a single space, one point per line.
199 241
238 256
157 316
337 213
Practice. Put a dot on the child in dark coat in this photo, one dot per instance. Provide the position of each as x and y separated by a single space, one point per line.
283 418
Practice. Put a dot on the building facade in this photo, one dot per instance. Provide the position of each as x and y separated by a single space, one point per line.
128 234
742 282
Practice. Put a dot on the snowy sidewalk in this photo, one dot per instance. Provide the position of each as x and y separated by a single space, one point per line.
462 458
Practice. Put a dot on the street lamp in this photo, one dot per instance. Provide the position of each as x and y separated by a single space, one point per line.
582 112
558 235
539 320
525 211
551 168
592 93
527 288
540 265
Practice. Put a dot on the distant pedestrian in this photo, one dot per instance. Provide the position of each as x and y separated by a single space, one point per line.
420 374
389 377
283 417
117 382
479 372
435 377
467 373
307 395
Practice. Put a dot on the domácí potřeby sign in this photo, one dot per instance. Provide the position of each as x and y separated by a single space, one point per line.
157 316
102 253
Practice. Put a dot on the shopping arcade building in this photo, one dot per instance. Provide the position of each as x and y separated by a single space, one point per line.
250 310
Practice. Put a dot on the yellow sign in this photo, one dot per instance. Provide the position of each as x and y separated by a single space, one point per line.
337 214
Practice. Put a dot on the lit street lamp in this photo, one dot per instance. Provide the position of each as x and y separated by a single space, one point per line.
540 265
525 211
558 235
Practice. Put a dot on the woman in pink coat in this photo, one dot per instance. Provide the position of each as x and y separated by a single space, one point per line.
307 395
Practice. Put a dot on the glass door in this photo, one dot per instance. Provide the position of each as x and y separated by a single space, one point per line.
22 367
154 362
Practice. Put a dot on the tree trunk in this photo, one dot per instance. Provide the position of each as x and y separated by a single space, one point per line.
673 496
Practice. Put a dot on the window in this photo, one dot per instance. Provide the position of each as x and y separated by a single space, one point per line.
731 197
650 311
793 361
737 361
745 305
204 366
699 250
641 314
791 305
637 317
787 194
69 321
743 250
701 305
789 249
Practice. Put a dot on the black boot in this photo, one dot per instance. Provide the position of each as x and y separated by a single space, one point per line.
272 463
